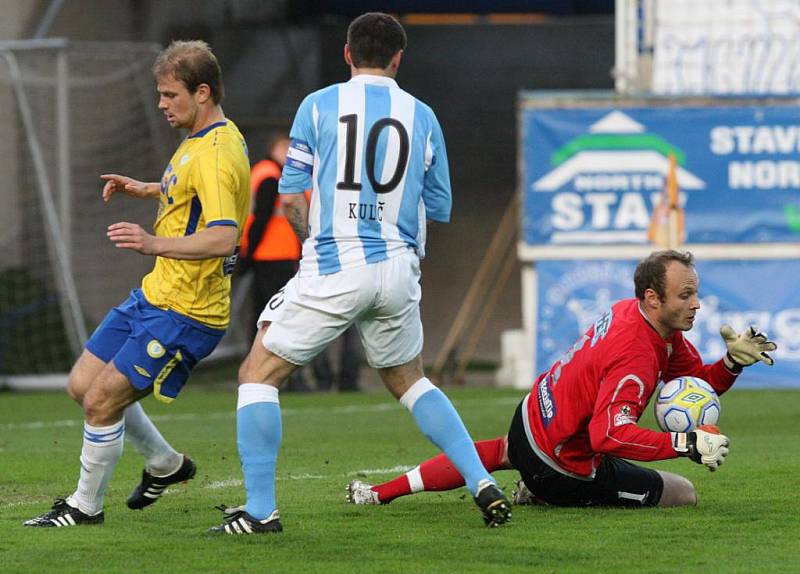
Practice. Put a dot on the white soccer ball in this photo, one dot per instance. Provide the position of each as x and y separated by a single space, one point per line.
685 403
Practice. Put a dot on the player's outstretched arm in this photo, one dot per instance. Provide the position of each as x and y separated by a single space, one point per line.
122 184
746 348
217 241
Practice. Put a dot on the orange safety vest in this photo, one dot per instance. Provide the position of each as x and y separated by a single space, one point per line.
279 242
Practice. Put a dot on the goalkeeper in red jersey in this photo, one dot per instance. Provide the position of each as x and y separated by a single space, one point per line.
571 435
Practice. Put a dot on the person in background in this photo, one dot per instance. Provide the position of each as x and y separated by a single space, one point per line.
346 376
270 248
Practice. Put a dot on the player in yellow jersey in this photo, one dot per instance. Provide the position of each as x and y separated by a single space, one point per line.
151 342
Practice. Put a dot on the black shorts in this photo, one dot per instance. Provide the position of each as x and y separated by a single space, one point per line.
617 482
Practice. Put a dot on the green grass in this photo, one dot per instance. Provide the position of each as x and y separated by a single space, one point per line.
746 520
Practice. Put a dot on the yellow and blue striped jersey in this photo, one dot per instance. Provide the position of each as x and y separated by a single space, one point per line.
206 183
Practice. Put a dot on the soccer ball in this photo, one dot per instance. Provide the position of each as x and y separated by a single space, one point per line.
685 403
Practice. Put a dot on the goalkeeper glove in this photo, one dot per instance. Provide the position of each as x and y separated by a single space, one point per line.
745 349
705 445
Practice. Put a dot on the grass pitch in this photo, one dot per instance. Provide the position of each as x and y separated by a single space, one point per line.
746 520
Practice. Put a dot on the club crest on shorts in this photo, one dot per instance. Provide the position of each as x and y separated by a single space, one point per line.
155 349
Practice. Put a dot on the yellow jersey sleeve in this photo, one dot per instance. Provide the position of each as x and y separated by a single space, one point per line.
206 183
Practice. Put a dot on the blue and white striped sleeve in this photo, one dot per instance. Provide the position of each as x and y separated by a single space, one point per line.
436 193
298 171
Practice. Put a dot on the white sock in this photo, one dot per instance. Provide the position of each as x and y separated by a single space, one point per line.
250 393
414 478
410 397
102 447
162 459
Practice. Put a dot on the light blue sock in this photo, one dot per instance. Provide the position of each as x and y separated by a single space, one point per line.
258 435
438 420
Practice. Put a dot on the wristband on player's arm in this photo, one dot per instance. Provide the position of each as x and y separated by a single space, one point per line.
705 445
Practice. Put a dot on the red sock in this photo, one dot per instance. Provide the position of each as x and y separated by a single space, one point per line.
439 473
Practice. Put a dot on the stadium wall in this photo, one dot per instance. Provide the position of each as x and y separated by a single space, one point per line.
592 168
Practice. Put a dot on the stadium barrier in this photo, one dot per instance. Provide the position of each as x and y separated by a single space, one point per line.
593 167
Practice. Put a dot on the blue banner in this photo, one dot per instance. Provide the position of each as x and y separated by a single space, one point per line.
573 294
592 176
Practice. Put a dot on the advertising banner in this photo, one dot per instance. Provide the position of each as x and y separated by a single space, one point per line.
592 175
573 294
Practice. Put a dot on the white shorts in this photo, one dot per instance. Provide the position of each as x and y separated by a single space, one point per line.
382 299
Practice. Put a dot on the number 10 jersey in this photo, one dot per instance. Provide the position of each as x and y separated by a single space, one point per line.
376 161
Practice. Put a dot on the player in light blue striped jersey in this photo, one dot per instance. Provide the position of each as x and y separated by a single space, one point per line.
374 155
375 160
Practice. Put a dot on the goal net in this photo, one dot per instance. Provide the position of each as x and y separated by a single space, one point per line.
712 47
70 112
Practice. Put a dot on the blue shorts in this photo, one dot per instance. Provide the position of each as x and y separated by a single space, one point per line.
151 346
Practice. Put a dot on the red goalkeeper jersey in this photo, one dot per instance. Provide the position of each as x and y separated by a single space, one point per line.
589 403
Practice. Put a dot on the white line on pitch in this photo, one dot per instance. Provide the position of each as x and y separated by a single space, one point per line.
393 470
237 482
26 502
291 411
231 482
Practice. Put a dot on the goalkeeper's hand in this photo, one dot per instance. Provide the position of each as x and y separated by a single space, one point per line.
705 445
747 348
